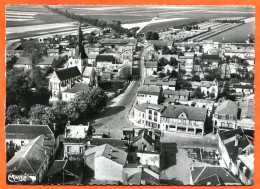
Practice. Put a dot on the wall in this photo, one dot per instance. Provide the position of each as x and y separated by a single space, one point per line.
149 158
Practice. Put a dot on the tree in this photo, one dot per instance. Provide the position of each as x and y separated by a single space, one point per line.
213 74
162 75
195 78
97 100
39 114
173 74
154 36
198 94
12 114
33 50
182 84
125 72
162 62
173 62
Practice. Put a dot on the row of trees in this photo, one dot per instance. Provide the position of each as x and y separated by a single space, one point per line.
82 107
115 25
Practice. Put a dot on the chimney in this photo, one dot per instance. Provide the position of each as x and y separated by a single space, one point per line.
108 133
54 126
68 123
18 122
45 151
30 122
88 123
236 140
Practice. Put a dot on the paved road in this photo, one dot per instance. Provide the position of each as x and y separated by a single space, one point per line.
114 119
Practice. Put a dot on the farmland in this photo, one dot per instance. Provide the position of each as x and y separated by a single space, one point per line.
20 16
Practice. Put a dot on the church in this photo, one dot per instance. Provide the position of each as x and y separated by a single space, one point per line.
77 71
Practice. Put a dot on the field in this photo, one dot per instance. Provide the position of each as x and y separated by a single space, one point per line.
147 17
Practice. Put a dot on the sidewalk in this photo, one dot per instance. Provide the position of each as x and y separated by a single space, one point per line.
115 101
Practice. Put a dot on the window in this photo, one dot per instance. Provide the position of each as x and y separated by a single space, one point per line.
22 143
155 119
68 148
150 111
222 124
230 117
155 113
81 149
150 117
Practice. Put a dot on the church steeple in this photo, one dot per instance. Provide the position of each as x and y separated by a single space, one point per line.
80 51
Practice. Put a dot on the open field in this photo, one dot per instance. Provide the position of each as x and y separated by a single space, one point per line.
20 16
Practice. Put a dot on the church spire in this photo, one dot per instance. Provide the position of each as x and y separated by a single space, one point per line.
79 35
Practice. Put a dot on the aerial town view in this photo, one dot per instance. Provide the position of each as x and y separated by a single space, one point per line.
129 95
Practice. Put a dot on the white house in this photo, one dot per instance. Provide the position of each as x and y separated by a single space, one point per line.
149 94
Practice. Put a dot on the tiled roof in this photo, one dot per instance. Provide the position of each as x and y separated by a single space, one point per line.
68 73
152 90
59 165
248 86
160 43
47 60
151 64
110 152
27 131
24 61
224 176
212 180
29 158
227 107
144 106
118 41
105 58
88 71
78 87
159 82
210 57
172 92
229 134
53 51
192 113
207 84
111 141
12 46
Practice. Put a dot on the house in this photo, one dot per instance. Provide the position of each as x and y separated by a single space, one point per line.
176 96
210 60
180 118
63 79
106 62
107 162
89 76
50 61
14 49
150 68
148 115
65 172
53 52
210 88
23 62
164 83
225 116
245 165
119 44
212 175
186 62
70 93
74 141
22 134
30 164
235 147
149 94
244 88
203 103
247 116
92 59
143 142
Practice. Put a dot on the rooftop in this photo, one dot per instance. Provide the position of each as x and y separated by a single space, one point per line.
151 64
76 131
192 113
105 58
29 159
159 82
227 107
144 106
27 131
68 73
224 176
78 87
108 151
152 90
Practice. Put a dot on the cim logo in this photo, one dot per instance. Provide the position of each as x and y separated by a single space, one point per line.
18 178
